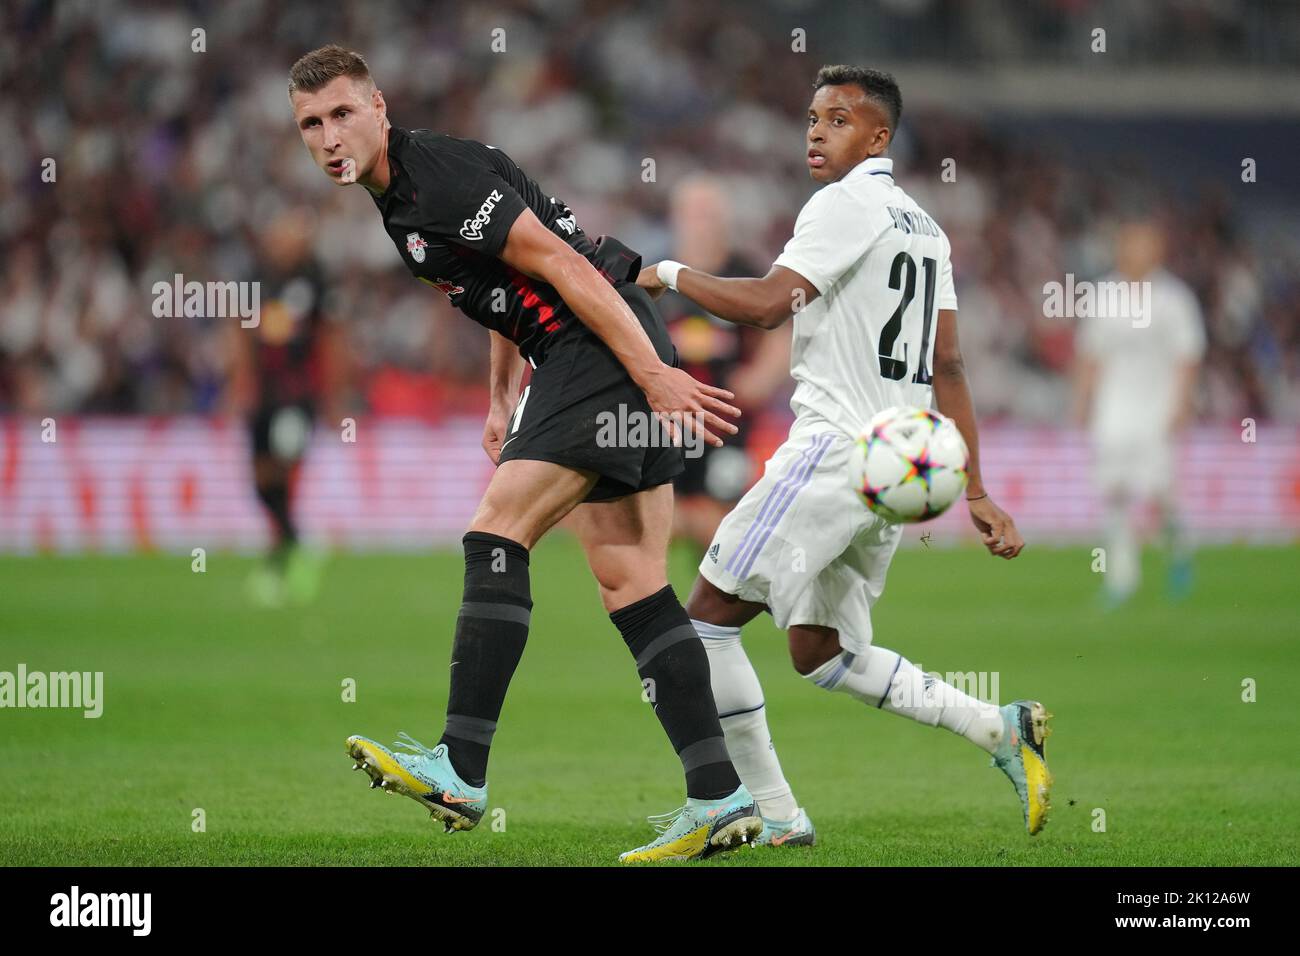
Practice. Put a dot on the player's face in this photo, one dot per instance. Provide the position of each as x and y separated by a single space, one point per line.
844 128
1139 249
342 124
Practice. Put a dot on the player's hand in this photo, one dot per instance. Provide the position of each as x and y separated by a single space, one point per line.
680 400
997 528
494 433
648 279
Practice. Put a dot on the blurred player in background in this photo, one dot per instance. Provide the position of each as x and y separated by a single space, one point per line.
284 371
1136 380
750 364
868 277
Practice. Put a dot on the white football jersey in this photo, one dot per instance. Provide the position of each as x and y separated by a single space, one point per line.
1139 350
883 271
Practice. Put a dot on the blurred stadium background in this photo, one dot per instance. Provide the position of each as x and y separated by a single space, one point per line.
173 161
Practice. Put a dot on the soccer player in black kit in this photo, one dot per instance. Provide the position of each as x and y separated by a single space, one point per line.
283 373
466 220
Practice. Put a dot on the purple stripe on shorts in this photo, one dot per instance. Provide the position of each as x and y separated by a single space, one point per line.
816 451
781 496
774 494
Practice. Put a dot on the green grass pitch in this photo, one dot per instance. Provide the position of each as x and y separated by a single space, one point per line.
212 704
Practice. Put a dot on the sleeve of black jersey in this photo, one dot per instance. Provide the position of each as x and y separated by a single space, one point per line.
462 198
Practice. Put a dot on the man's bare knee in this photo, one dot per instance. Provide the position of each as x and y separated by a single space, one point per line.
524 528
811 646
709 603
622 583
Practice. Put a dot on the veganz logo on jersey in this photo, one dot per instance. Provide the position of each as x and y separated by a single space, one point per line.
415 246
473 228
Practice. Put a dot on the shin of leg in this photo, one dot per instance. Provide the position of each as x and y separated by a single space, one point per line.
738 697
674 669
627 543
1123 560
811 646
736 689
272 479
883 679
491 631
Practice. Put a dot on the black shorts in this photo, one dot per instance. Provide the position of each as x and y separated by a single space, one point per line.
282 430
582 410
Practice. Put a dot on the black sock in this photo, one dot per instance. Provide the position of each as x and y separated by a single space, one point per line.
490 635
275 497
671 657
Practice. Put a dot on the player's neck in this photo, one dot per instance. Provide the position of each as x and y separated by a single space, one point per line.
380 174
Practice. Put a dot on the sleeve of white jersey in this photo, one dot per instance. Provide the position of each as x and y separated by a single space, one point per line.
1189 327
947 293
833 231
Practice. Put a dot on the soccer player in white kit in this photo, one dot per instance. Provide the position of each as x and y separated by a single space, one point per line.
1136 372
868 278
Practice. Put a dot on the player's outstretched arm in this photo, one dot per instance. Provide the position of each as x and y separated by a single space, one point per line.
505 372
537 252
952 396
764 303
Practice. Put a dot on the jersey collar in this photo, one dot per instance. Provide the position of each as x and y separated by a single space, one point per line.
879 166
875 166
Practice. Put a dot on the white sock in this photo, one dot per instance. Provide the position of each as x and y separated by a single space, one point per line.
1123 554
884 679
739 698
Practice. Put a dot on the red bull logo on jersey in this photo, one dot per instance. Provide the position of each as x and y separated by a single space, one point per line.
415 246
444 286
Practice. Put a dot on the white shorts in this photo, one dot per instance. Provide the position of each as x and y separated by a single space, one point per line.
1142 466
802 542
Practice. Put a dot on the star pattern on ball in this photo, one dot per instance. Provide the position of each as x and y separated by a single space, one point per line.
922 466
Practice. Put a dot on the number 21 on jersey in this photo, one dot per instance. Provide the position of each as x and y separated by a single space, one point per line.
902 277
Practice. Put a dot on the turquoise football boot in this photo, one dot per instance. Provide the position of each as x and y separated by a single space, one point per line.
1020 755
701 829
424 775
797 832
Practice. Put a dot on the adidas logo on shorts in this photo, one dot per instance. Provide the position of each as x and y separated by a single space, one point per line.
713 553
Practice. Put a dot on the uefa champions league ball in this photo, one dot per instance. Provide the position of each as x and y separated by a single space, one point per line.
910 464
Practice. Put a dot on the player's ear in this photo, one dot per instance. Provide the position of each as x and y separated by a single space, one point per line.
377 101
880 142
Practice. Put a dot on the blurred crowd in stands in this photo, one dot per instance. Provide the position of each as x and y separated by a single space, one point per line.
175 152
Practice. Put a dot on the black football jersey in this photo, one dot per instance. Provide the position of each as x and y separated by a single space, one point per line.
448 209
285 342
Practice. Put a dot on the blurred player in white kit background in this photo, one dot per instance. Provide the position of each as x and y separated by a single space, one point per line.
1136 379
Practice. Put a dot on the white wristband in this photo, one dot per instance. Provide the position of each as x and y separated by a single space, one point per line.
667 272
